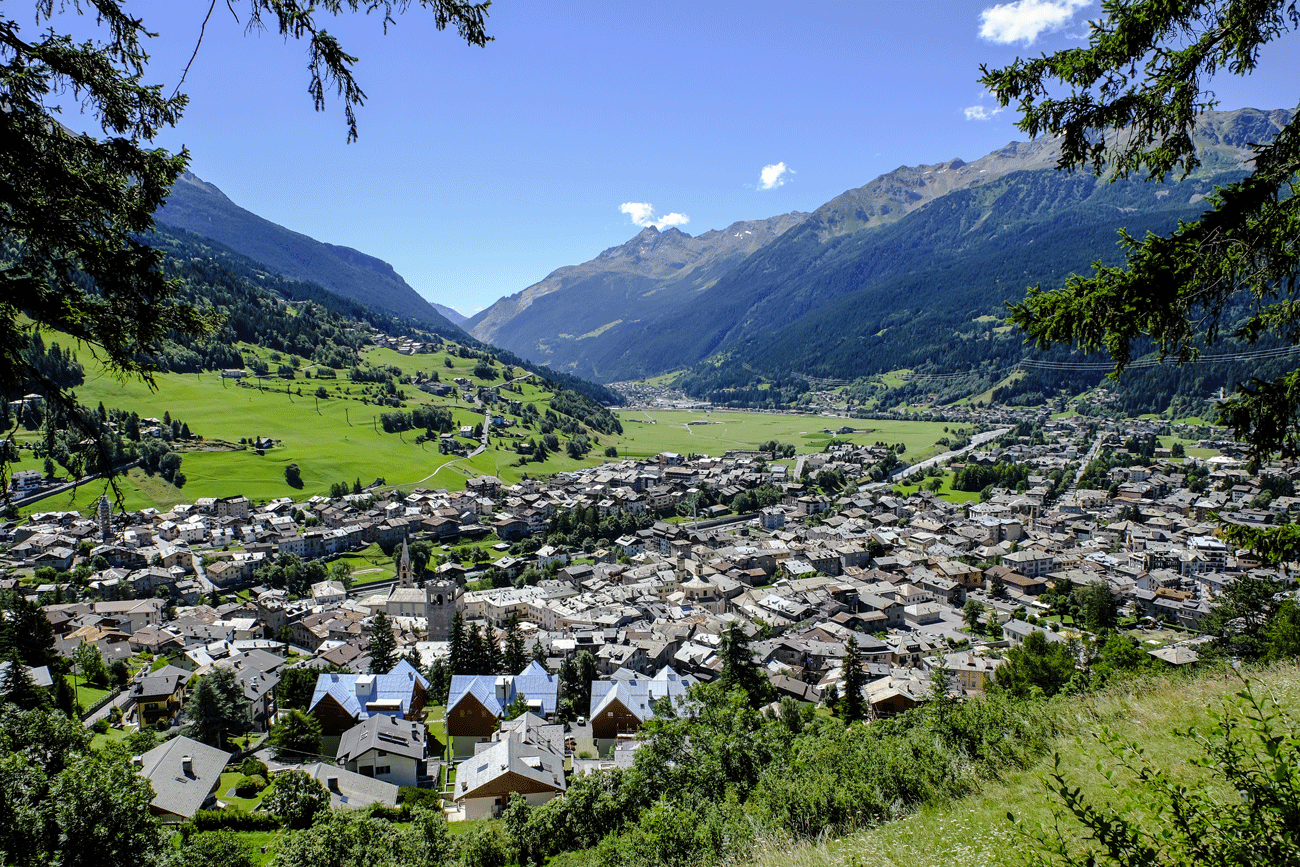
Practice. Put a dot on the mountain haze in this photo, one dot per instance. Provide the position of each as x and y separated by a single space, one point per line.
891 274
200 207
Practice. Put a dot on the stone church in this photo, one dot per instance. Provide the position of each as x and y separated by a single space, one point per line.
436 601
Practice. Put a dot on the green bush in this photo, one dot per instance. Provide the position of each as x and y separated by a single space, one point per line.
100 726
235 820
251 767
410 796
250 785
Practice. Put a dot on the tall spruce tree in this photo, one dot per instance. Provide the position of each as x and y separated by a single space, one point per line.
382 646
457 660
739 671
515 658
853 705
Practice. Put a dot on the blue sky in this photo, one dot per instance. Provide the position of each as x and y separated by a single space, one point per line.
479 171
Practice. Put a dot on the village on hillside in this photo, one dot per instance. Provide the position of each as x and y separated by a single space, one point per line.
669 555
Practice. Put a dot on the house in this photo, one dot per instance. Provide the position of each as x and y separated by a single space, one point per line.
620 705
159 696
969 670
476 702
184 774
511 766
343 700
389 749
351 791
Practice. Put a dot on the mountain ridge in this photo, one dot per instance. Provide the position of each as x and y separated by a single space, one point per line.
201 207
602 327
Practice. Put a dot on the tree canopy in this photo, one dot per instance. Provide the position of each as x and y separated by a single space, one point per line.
1131 99
75 207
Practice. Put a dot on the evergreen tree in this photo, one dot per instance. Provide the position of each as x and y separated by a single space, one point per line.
18 688
218 708
456 646
65 697
998 586
852 705
439 675
739 671
383 646
515 659
495 658
539 653
296 736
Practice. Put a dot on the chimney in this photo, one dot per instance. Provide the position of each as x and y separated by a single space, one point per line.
187 766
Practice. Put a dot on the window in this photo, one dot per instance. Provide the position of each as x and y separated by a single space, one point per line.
382 769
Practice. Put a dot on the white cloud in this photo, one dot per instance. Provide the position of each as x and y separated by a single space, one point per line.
643 214
1024 20
773 176
979 112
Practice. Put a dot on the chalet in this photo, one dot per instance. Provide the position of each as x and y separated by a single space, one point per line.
184 775
620 705
389 749
511 766
343 700
476 702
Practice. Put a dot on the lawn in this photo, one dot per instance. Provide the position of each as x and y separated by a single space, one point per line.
227 784
112 736
87 695
670 432
257 840
946 491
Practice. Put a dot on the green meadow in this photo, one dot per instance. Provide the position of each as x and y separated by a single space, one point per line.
338 438
649 432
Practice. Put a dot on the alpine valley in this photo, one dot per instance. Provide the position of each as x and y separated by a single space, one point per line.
910 272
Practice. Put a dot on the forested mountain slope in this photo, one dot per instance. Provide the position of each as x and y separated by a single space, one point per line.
898 273
200 207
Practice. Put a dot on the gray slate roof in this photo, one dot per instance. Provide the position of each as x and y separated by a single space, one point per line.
382 732
352 790
175 791
511 754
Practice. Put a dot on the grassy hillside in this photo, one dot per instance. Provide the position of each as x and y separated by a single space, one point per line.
975 830
339 438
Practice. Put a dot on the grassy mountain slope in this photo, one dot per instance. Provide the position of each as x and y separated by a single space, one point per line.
200 207
975 830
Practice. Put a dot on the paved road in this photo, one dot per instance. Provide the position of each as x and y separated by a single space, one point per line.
1087 459
975 442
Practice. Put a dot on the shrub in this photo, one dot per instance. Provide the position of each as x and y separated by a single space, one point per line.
250 786
411 797
251 767
235 820
100 726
